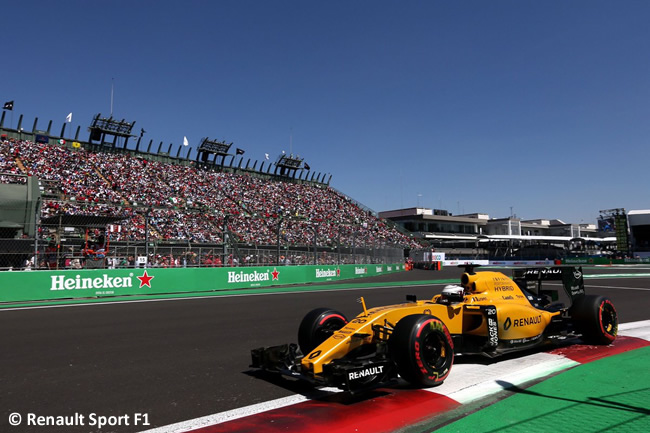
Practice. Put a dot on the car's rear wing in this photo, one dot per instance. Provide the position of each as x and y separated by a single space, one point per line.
531 279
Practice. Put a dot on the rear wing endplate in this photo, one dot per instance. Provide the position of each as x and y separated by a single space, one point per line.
571 277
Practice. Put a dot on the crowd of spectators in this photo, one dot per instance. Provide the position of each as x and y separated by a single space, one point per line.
9 170
188 203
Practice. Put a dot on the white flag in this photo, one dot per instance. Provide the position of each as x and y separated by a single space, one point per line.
68 118
185 142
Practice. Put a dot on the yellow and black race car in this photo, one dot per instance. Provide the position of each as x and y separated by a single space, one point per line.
488 314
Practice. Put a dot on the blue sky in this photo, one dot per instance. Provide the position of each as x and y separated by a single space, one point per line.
469 106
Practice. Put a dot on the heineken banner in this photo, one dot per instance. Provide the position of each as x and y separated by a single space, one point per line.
49 285
604 261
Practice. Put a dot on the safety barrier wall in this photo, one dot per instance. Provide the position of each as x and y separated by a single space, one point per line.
88 283
604 261
565 261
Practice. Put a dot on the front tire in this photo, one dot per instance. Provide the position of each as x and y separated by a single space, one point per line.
422 349
595 318
317 326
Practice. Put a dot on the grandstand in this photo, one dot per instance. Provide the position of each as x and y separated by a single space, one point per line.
154 209
177 212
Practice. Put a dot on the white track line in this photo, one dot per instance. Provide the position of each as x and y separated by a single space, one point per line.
234 414
469 382
619 288
643 289
639 329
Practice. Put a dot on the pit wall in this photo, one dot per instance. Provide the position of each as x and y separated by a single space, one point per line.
87 283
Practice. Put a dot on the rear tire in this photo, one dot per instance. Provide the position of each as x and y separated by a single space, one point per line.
317 326
595 318
422 349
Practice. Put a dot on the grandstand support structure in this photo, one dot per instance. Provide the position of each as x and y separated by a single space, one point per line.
279 228
147 214
314 229
76 134
354 245
228 240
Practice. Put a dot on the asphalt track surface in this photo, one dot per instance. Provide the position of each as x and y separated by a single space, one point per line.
174 360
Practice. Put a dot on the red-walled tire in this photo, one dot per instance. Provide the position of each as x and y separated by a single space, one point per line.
422 349
317 326
595 318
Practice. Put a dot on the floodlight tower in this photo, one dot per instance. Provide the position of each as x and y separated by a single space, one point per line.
212 147
102 127
288 165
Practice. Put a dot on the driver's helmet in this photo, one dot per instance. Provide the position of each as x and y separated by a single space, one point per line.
453 293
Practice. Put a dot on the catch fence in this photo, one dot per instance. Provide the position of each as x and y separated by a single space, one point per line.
120 237
43 254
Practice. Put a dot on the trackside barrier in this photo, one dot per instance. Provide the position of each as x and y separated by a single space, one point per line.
604 261
88 283
566 261
522 262
466 262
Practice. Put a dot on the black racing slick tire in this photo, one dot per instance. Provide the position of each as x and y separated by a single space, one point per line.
317 326
422 350
595 318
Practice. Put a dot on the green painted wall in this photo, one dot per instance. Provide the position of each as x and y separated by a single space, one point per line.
87 283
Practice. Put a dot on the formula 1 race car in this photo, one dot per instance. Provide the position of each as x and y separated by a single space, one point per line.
489 314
